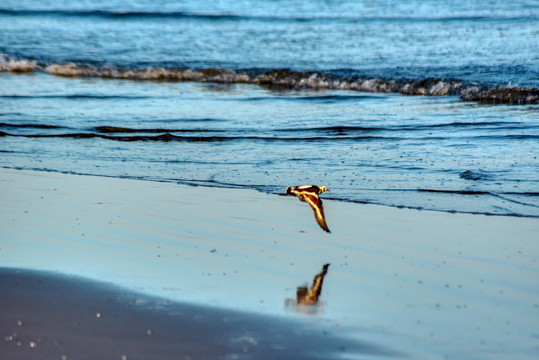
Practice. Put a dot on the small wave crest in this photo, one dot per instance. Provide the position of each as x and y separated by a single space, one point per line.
474 175
106 129
290 79
501 95
17 66
30 126
131 135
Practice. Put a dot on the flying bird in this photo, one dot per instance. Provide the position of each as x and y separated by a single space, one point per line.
309 194
310 296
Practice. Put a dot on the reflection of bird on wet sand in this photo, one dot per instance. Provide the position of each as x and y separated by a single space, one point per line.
310 296
309 194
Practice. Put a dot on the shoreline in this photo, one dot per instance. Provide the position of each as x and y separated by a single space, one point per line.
431 284
204 184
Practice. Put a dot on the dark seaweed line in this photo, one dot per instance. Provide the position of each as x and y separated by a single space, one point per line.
321 98
488 125
114 130
74 97
162 137
508 136
106 129
146 14
30 126
264 18
170 137
167 136
345 131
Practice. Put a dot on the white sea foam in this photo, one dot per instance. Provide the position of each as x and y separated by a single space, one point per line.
285 78
20 66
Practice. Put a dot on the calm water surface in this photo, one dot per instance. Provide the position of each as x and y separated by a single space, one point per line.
422 152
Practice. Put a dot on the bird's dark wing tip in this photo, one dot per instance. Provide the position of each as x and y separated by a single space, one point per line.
325 268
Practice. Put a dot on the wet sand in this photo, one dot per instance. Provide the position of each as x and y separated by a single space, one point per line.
402 283
49 316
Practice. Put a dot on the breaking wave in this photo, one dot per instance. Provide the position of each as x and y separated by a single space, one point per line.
17 66
290 79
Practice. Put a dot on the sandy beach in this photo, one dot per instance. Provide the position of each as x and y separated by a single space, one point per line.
48 316
176 260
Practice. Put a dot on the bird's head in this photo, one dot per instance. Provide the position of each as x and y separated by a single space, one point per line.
323 189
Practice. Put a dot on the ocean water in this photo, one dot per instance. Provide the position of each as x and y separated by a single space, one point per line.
270 94
384 102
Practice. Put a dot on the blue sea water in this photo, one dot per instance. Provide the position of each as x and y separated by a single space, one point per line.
269 94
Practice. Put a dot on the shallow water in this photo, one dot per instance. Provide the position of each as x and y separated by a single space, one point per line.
266 95
423 152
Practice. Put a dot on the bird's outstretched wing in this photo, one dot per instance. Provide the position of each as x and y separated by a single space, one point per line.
316 288
297 190
316 204
310 296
